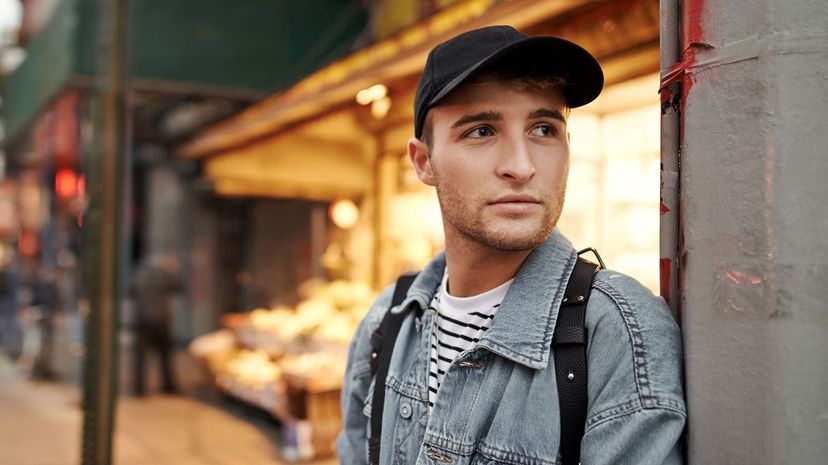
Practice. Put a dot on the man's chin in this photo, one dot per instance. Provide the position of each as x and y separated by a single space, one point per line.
514 241
516 246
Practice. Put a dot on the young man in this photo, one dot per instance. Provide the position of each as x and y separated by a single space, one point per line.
472 377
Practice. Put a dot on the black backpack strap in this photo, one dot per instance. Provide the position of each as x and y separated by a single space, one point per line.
569 349
382 347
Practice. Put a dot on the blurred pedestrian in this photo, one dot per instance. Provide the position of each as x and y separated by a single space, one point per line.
44 312
10 332
155 286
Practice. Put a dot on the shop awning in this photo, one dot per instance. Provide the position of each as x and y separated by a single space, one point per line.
324 161
188 47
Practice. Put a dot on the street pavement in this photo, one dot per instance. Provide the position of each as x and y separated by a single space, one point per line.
41 422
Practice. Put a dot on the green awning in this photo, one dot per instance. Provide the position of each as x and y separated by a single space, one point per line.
249 47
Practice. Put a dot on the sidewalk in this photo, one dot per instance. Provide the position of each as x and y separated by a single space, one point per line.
41 423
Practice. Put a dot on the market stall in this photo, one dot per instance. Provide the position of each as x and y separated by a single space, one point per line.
290 362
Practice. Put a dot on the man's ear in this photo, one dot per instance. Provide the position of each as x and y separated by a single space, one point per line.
418 153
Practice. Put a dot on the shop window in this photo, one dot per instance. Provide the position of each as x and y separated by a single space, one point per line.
612 199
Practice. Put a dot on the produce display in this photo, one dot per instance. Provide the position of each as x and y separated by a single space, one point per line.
215 348
314 371
290 362
253 377
327 317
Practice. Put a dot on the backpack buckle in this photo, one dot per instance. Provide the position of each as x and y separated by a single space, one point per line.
597 255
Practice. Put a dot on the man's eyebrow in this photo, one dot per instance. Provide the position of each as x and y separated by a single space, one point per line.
490 115
547 113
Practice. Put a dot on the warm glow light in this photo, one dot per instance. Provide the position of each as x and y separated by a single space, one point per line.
371 94
381 107
344 214
66 183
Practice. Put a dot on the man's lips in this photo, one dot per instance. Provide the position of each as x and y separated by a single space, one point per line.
515 205
515 199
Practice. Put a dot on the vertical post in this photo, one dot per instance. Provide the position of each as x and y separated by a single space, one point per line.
382 195
670 92
753 212
102 242
318 238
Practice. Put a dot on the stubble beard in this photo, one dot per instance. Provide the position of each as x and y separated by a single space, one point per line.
468 222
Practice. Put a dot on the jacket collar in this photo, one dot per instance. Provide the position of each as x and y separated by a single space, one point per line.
522 330
423 288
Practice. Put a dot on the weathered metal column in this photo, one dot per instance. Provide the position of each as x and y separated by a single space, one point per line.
102 241
670 92
754 221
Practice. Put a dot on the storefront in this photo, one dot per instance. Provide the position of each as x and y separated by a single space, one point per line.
41 214
339 136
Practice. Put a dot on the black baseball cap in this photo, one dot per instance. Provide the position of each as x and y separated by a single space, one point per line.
453 62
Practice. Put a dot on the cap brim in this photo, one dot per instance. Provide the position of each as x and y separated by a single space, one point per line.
541 55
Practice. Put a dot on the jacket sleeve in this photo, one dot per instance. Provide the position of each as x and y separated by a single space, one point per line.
647 436
637 411
352 441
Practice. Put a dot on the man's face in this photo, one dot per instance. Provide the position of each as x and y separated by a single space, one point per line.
499 160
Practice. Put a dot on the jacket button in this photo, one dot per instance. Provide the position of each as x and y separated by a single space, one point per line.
405 410
470 364
434 455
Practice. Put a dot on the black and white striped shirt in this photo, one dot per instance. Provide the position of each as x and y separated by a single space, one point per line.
460 323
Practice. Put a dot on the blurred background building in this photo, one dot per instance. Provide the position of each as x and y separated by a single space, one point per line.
265 152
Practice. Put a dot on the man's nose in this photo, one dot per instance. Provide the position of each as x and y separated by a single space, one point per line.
515 161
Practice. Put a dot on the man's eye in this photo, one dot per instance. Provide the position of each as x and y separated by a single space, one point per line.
544 130
480 132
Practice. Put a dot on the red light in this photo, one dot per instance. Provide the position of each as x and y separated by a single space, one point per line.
66 183
28 244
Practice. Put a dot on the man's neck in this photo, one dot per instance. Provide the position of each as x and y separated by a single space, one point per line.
474 268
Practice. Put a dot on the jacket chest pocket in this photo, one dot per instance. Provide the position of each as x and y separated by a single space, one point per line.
482 455
480 459
486 455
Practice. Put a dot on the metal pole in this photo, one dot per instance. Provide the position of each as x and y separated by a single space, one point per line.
102 235
670 91
755 216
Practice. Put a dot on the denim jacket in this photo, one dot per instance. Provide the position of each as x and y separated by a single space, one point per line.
498 402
